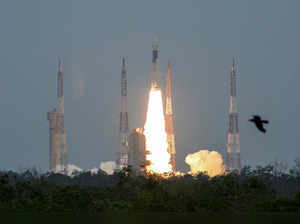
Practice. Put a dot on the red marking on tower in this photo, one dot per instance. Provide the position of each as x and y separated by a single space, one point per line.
122 160
233 161
169 118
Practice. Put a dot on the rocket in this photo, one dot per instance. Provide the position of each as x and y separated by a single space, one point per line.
155 76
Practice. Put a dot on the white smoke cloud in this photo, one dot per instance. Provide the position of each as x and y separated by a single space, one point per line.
93 170
209 162
108 166
70 170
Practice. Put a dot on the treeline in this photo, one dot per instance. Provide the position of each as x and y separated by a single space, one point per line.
264 189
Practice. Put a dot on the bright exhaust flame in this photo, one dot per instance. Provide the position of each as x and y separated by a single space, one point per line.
209 162
156 137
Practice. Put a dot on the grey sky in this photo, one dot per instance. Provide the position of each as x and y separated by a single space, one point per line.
199 37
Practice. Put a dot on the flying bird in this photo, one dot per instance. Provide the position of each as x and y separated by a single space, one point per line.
259 123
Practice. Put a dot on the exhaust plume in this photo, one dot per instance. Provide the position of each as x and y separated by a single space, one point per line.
156 137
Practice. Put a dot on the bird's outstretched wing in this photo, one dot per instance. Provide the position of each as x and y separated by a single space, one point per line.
259 123
260 127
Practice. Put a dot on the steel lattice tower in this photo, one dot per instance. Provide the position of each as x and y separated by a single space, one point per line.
170 119
122 160
233 161
58 146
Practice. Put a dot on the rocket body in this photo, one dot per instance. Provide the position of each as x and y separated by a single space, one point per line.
155 76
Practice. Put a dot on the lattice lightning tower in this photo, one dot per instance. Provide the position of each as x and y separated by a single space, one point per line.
170 119
233 161
122 160
57 138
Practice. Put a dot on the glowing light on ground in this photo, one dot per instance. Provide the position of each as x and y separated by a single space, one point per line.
209 162
156 137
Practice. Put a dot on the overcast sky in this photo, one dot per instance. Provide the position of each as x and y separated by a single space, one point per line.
199 37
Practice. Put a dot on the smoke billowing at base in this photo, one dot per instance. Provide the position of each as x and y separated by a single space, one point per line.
205 161
108 167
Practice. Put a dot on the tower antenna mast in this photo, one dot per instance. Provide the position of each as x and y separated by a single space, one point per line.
233 160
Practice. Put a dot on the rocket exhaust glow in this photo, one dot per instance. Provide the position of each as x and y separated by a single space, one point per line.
156 137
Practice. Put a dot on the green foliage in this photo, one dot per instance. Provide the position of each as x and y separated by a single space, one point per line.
258 190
